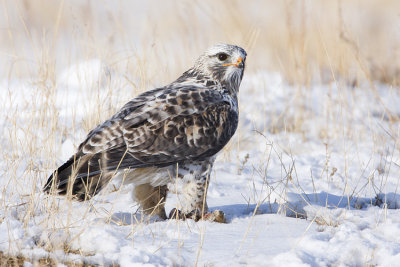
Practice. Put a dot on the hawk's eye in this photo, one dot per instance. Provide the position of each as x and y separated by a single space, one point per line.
222 56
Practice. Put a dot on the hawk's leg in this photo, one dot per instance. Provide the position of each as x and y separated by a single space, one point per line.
195 179
151 199
193 198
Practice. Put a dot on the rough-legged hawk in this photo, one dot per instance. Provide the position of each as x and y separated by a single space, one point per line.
172 132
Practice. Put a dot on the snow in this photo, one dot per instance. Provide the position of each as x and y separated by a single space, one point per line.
310 179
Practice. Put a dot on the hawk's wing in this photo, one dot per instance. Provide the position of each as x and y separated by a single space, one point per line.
172 126
158 128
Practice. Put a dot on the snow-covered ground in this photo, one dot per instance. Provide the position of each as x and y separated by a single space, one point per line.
310 179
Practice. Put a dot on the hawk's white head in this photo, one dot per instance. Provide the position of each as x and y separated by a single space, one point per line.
224 63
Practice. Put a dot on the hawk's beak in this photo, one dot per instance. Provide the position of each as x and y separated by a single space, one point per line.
238 64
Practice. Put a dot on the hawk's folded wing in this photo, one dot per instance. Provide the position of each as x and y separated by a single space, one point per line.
158 128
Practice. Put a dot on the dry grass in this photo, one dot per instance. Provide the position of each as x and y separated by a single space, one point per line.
304 40
323 42
17 261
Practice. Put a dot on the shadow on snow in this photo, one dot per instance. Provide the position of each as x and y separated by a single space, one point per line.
294 206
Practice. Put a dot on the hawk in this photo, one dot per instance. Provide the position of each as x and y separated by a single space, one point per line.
168 133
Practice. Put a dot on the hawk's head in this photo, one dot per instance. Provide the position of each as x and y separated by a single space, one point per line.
224 63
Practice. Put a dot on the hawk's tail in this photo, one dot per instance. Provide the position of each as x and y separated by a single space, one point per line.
78 179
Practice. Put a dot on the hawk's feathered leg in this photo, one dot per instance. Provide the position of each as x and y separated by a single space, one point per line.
195 178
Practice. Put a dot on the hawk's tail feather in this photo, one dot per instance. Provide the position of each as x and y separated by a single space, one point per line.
76 178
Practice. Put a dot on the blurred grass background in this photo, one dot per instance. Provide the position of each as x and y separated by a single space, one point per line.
306 41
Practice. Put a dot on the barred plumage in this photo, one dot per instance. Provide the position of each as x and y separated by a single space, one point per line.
183 124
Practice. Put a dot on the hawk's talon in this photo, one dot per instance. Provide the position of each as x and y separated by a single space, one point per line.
215 216
177 214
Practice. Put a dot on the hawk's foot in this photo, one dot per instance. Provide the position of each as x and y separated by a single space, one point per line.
179 215
216 216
